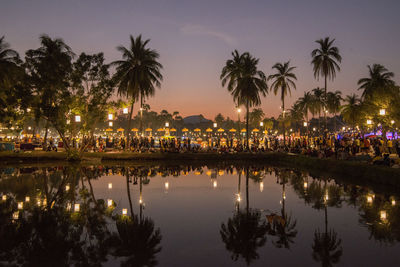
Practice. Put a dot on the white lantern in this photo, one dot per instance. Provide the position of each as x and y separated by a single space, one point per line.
382 112
369 122
305 124
167 124
77 207
261 124
215 125
110 116
110 123
125 111
77 118
124 211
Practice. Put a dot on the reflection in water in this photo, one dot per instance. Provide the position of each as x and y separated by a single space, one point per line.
54 216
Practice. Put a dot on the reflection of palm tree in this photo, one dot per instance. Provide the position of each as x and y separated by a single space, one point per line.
137 240
245 232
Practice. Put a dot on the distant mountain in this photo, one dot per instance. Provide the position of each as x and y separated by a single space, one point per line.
196 119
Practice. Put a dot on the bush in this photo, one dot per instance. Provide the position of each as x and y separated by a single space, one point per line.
73 155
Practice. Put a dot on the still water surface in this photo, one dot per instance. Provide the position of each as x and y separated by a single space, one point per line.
192 216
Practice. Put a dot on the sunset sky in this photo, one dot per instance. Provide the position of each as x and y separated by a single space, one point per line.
195 38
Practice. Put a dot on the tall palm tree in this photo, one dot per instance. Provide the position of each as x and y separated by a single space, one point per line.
8 58
333 104
325 61
283 81
379 78
138 73
245 82
306 105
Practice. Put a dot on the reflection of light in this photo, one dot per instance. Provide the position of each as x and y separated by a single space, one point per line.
261 186
16 215
305 184
109 202
238 198
27 199
215 184
67 187
220 172
20 205
109 185
383 215
197 173
4 197
140 200
208 173
326 196
124 211
166 185
77 207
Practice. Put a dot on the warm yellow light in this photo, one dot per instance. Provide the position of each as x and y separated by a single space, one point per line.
44 202
27 199
166 185
261 124
109 202
124 211
326 196
125 111
29 128
109 185
383 215
291 130
28 110
393 202
77 207
69 206
382 111
110 116
369 199
110 123
4 197
369 122
215 125
392 121
77 118
344 128
238 198
16 215
20 205
261 186
67 187
140 200
38 202
305 184
215 184
239 110
305 124
314 129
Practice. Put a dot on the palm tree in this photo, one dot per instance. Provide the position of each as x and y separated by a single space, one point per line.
333 104
137 74
245 82
351 111
325 61
318 103
283 81
379 79
8 58
306 105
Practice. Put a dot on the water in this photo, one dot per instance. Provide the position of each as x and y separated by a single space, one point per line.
193 216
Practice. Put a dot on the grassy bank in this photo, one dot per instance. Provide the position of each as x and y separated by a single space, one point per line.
356 172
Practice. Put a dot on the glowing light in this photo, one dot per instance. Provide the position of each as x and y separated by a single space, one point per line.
16 215
125 111
68 121
69 206
239 110
44 202
4 197
28 110
109 185
124 211
261 186
20 205
369 199
382 111
110 116
38 202
326 197
305 124
109 202
29 128
215 184
77 207
261 124
238 198
383 215
110 123
393 202
27 199
344 128
67 187
77 118
140 200
166 185
392 121
215 125
305 185
314 129
369 122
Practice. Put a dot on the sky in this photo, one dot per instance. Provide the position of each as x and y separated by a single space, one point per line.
195 38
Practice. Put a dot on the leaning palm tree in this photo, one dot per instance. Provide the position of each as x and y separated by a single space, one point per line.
325 61
8 58
379 79
138 73
245 82
333 104
283 81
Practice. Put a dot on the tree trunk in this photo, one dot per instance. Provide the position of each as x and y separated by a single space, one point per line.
128 131
45 135
326 100
284 127
247 124
141 116
129 192
247 190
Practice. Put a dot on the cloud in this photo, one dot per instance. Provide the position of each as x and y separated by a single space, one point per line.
201 30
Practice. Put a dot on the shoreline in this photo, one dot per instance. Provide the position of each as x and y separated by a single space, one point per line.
343 170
